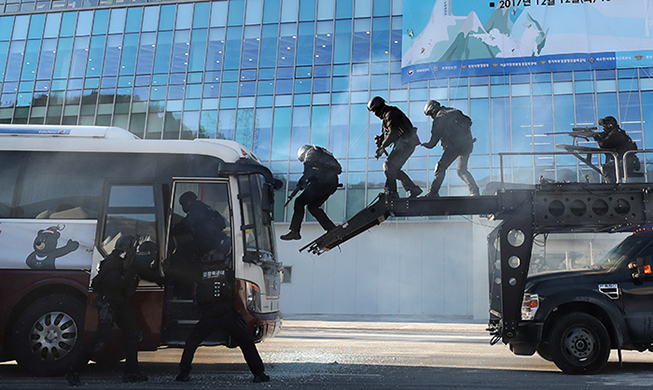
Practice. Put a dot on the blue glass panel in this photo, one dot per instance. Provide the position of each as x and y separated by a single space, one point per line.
381 8
158 92
269 39
36 26
381 39
20 29
271 11
251 47
175 92
340 84
321 85
300 128
628 108
302 86
325 9
284 87
289 10
226 123
100 22
197 50
320 126
362 9
358 131
522 131
180 52
585 109
307 10
46 59
193 91
395 44
6 25
236 13
163 49
262 133
287 41
167 17
480 113
146 53
232 48
543 123
129 50
31 60
208 124
254 12
62 62
647 117
344 9
342 42
266 87
244 126
219 13
247 88
281 134
184 16
112 56
211 90
305 39
500 121
229 90
339 127
215 49
201 15
361 49
117 20
134 16
150 18
607 104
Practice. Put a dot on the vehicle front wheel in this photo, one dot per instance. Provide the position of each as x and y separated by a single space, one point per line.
47 335
579 344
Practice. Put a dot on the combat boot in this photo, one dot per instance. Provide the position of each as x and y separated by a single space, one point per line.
291 235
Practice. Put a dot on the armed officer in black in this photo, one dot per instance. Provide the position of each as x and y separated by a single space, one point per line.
319 182
614 138
115 284
209 265
397 130
452 128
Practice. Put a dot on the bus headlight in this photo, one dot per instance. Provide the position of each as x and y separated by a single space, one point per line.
253 294
529 306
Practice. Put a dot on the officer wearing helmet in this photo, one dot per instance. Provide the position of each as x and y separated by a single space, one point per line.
398 130
614 138
452 128
319 182
115 284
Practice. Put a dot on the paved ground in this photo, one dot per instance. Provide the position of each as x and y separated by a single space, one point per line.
322 353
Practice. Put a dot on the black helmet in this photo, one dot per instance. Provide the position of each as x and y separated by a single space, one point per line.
187 198
301 153
375 104
608 121
126 243
431 107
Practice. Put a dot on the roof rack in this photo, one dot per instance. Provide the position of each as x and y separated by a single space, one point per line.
66 131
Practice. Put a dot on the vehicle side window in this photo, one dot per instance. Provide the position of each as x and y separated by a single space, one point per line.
62 186
9 168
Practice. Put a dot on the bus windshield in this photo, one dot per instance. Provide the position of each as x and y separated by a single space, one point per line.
257 223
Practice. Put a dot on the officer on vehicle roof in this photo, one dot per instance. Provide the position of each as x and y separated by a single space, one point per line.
617 140
452 128
398 130
319 182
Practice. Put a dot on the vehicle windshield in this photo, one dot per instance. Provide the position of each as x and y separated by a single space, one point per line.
257 223
625 250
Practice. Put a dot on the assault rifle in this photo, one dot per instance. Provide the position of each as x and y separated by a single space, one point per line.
579 132
292 195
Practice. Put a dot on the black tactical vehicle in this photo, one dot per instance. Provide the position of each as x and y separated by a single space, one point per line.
574 318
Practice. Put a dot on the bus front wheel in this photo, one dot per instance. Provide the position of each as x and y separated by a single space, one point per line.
47 335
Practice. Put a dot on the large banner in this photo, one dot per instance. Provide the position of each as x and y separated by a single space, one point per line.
458 38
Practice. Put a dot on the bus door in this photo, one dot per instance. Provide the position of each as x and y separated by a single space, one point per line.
134 210
200 221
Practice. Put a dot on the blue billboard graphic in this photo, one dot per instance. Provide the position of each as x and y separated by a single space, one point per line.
459 38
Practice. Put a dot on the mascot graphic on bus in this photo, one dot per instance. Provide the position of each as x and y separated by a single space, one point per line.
45 248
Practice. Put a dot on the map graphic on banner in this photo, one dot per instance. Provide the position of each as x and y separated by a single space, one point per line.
459 38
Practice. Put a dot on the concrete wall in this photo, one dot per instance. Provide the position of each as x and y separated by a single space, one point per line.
420 268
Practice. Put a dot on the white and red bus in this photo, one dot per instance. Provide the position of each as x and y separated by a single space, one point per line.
68 193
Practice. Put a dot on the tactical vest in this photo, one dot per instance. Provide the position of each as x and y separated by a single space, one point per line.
215 285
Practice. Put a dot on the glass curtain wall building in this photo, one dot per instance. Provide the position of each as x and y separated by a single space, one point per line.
277 74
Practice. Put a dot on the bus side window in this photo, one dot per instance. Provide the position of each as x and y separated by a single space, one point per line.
9 168
62 186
